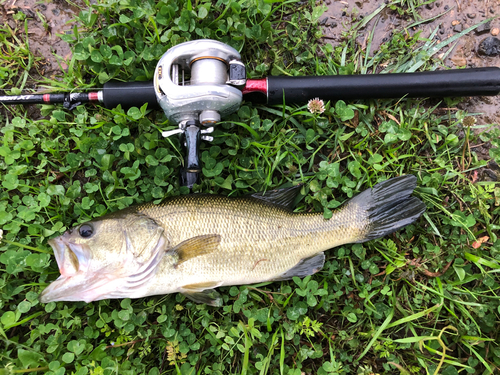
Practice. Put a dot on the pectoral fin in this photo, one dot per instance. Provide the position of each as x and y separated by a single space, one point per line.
203 293
195 247
305 267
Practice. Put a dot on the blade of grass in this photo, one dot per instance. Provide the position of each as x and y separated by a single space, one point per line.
382 327
246 354
479 260
429 19
414 316
282 352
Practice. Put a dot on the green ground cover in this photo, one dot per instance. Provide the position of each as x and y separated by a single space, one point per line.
422 301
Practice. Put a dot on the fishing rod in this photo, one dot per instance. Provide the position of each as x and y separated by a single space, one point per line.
197 83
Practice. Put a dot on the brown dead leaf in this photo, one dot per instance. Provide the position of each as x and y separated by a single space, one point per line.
477 244
391 117
459 61
437 274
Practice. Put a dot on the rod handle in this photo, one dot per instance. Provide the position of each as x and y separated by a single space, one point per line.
443 83
129 94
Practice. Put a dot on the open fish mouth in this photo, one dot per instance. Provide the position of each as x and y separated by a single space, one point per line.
69 267
66 256
75 282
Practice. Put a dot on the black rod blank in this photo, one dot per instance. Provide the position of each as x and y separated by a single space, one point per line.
127 94
445 83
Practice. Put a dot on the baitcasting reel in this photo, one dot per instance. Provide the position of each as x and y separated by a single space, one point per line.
196 83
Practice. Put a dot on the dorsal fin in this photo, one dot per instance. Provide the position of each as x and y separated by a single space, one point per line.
281 197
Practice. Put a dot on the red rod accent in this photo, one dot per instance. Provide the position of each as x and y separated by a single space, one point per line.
46 98
256 85
93 96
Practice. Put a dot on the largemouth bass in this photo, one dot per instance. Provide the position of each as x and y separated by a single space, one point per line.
192 244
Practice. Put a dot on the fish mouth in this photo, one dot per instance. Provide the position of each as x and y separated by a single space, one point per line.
67 261
71 257
75 282
80 287
63 289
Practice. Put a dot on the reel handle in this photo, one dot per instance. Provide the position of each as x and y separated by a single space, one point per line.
192 136
190 173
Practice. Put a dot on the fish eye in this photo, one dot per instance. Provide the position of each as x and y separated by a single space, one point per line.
86 231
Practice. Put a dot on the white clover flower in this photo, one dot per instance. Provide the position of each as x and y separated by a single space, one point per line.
316 105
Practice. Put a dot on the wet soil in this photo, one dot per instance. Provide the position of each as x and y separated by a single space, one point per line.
47 20
460 14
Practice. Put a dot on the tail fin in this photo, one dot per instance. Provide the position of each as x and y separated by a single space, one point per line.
390 206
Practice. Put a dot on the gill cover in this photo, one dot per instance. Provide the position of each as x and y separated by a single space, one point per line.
116 261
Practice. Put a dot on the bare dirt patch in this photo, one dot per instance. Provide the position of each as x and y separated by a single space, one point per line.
460 14
46 21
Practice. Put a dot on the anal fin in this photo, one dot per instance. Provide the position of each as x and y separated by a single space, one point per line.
305 267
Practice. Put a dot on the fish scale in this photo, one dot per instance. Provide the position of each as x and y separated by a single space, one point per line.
195 243
259 241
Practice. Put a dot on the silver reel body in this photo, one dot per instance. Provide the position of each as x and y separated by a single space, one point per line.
212 90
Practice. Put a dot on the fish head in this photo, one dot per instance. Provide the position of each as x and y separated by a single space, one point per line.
112 257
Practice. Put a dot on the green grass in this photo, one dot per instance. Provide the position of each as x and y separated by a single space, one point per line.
17 61
421 301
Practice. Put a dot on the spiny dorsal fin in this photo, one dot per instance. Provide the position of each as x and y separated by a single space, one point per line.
281 197
194 247
203 293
